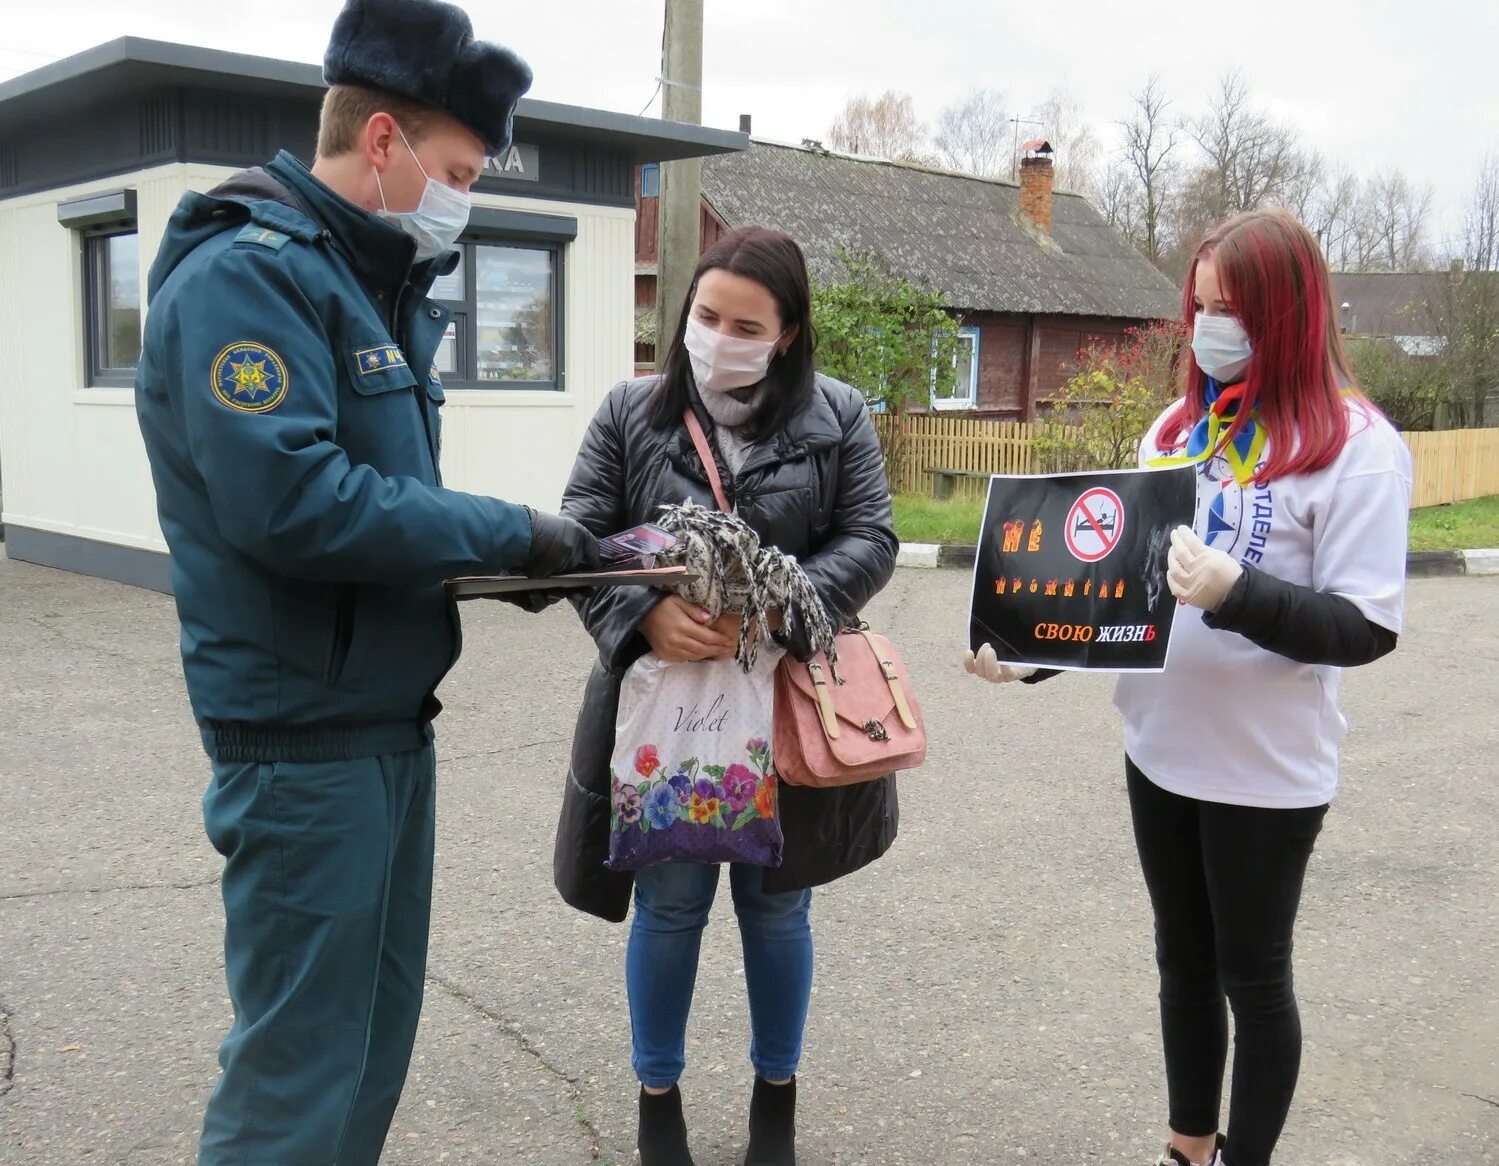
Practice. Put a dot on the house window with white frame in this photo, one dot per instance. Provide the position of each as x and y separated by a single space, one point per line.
957 386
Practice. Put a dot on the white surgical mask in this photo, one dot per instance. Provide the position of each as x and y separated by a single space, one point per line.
1221 347
725 363
438 219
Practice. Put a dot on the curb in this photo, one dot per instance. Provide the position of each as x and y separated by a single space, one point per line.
1418 564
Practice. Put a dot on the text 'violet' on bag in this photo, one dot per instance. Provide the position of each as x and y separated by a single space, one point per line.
693 778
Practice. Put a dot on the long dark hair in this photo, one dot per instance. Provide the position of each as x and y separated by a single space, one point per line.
774 261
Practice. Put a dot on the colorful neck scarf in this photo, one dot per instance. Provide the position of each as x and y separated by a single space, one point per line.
1210 435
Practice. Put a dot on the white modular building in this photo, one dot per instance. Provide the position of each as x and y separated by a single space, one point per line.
95 152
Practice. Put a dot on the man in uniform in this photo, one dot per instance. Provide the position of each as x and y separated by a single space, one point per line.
292 426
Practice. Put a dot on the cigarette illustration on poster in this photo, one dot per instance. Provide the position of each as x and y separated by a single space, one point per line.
1071 568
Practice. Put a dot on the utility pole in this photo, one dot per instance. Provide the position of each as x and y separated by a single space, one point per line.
682 181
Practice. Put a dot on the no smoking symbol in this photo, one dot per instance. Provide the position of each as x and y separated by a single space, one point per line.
1094 524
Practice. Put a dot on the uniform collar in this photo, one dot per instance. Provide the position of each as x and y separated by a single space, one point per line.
381 255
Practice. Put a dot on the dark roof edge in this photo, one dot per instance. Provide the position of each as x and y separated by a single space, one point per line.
551 113
689 140
165 53
918 167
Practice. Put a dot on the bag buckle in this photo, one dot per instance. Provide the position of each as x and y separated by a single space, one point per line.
875 730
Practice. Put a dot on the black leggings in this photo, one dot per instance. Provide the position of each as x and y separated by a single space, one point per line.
1224 883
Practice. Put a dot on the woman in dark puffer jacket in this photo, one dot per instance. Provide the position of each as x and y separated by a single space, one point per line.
801 464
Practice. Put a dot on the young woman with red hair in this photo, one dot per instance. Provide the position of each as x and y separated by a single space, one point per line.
1296 559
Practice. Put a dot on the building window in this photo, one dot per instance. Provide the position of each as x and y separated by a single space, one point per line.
112 306
957 387
506 300
650 180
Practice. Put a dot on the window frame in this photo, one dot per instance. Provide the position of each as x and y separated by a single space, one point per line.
94 253
553 241
972 334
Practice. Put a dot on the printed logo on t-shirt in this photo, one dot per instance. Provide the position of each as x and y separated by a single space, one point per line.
1238 519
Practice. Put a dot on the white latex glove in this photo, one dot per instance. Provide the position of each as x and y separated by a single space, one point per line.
1198 574
987 665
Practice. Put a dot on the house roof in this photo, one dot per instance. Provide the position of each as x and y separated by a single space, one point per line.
961 235
131 65
1384 303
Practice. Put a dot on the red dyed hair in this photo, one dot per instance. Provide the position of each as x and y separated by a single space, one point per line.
1273 274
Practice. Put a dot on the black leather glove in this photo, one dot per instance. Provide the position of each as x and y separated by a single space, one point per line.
559 546
532 601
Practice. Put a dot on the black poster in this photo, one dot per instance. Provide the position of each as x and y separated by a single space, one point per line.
1071 568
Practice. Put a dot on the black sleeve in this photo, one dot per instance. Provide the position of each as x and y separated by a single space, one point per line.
1300 623
595 496
1041 674
858 557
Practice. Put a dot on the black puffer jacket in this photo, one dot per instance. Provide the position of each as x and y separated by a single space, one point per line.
816 490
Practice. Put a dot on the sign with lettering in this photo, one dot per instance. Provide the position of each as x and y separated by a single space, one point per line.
520 163
1071 568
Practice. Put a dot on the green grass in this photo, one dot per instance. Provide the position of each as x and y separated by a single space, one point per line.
1461 526
919 519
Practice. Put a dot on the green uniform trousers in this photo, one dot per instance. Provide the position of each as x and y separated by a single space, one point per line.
327 899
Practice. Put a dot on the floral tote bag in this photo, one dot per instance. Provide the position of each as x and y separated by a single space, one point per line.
692 775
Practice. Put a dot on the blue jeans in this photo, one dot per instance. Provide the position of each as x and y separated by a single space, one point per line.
671 908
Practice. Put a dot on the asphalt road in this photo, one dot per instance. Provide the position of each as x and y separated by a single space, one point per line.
985 994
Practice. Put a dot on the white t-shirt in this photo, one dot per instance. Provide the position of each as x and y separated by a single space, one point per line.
1228 721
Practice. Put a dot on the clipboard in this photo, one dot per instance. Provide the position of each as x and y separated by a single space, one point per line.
480 586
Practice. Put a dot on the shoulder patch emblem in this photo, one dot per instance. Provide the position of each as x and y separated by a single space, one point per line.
263 236
250 377
379 359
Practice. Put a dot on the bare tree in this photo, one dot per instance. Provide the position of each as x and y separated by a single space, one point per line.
1302 194
1251 160
1078 150
1480 242
1114 196
1391 223
1150 139
1466 313
881 127
1334 217
973 135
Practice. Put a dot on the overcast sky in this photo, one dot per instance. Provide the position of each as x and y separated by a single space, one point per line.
1373 83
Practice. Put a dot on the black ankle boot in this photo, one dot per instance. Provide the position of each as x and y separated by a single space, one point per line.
662 1137
772 1125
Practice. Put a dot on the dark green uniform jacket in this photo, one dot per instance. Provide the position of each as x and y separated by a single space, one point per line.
290 409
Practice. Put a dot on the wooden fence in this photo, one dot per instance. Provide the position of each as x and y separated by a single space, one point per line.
1453 465
917 444
1449 466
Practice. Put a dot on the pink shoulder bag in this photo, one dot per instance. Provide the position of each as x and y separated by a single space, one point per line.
837 726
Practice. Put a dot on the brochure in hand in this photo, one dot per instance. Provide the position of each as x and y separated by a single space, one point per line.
641 545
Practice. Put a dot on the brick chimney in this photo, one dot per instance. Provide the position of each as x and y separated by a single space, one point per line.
1036 174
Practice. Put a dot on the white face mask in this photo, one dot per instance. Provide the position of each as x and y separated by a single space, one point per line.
725 363
438 219
1221 347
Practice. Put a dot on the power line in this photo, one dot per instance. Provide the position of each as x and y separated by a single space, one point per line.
651 98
